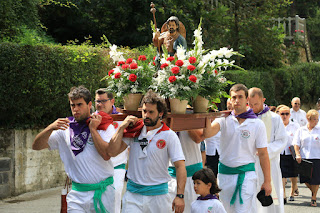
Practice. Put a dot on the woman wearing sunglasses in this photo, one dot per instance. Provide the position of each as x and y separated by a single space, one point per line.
287 163
307 146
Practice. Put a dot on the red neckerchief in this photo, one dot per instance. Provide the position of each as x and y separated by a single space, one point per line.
135 131
105 122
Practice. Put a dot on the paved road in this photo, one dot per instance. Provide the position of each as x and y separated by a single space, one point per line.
49 201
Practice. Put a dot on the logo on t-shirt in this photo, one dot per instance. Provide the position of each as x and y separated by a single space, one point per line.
245 134
161 144
115 124
209 209
317 138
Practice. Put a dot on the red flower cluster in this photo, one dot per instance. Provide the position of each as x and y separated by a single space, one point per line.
163 65
120 63
110 72
129 61
175 70
216 72
193 78
125 66
132 77
179 63
172 79
192 60
191 67
142 58
133 66
171 58
117 75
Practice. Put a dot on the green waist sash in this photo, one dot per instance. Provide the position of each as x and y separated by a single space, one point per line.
191 169
147 190
98 188
241 171
121 166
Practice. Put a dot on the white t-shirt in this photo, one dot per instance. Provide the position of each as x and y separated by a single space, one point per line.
123 156
191 150
150 166
239 142
207 206
291 129
88 166
212 144
308 141
300 116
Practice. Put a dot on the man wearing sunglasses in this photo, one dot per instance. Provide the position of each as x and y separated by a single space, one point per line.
277 140
104 101
298 114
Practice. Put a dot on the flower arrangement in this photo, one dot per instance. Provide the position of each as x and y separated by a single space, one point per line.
194 72
129 75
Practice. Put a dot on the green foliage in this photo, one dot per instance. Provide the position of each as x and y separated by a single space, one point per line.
35 80
313 31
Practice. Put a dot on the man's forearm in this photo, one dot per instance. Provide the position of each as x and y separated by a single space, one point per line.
181 175
265 165
100 144
41 140
115 142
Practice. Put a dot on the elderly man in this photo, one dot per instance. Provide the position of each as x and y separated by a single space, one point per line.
277 140
242 136
298 114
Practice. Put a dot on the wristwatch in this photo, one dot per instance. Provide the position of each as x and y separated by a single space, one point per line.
180 195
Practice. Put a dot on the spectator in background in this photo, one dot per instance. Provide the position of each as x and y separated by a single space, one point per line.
296 113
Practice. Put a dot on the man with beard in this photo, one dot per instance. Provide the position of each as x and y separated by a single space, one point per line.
277 141
104 101
171 38
152 144
83 144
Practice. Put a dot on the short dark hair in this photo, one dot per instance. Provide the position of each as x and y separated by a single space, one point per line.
79 92
102 91
207 176
153 98
238 87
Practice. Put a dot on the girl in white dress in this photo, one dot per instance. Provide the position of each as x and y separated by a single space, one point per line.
205 184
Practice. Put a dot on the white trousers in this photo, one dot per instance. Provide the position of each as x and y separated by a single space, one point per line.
118 183
83 201
136 203
189 193
227 184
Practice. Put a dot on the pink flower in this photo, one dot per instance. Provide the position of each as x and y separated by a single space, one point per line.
132 77
171 58
193 78
172 79
191 67
121 62
129 61
133 66
125 66
142 58
302 31
175 70
179 63
192 60
117 75
163 65
293 43
296 31
110 72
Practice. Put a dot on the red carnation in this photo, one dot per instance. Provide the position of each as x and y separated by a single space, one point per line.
175 70
110 72
163 65
296 31
132 77
193 78
125 66
172 79
216 72
191 67
133 66
154 64
121 62
117 75
171 58
192 60
142 58
154 57
179 63
302 31
129 61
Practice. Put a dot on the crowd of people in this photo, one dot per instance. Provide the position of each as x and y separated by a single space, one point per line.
249 156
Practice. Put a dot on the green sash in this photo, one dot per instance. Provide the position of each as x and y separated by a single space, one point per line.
191 169
121 166
241 171
147 190
98 188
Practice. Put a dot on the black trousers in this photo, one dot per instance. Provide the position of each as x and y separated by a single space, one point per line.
212 163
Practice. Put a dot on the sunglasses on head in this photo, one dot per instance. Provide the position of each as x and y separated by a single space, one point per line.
285 113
